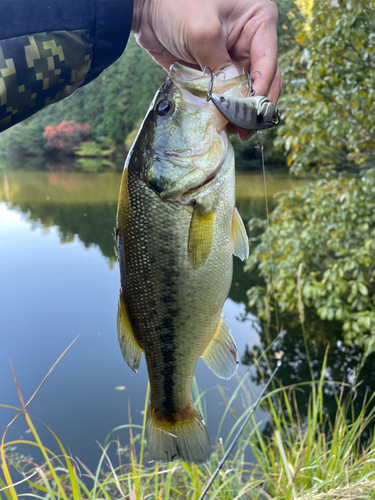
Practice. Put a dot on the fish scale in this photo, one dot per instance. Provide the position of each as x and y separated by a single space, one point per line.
168 284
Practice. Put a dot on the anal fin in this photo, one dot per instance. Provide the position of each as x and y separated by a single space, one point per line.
239 236
221 353
129 346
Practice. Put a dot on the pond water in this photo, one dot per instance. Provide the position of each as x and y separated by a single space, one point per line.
60 278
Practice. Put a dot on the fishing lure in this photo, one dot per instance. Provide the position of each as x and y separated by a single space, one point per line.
245 113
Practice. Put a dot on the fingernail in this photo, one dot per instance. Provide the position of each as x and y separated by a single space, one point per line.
231 72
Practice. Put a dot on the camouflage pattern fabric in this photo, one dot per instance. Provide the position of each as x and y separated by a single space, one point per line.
40 69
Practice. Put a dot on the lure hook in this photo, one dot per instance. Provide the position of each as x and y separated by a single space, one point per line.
252 91
209 93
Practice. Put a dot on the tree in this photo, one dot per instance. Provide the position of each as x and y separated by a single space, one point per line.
22 141
328 100
132 83
66 136
322 239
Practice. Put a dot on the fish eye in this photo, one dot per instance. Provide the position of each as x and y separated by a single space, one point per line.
275 120
164 108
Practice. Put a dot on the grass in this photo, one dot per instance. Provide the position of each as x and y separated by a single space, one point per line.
302 459
306 459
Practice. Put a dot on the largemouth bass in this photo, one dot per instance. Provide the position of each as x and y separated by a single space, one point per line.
177 228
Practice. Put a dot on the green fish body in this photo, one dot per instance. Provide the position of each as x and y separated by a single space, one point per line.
177 228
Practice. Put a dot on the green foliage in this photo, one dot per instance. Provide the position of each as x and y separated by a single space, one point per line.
248 157
123 93
23 140
328 99
97 156
130 138
325 232
98 102
89 148
105 147
311 458
289 17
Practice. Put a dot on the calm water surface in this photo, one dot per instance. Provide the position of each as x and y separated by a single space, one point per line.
60 278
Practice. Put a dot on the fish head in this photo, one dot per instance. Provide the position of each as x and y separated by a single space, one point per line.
268 113
183 142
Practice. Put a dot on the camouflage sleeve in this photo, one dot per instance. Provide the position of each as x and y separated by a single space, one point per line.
38 68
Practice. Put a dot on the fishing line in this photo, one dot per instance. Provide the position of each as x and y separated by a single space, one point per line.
255 405
261 147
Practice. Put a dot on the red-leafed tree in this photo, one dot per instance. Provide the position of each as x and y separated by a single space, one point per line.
66 136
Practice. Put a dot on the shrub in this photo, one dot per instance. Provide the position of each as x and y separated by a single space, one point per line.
66 136
325 232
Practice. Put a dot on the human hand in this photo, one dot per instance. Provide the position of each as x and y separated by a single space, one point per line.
214 33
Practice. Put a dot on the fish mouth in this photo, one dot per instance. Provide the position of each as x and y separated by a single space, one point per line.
275 120
270 124
269 112
203 184
193 188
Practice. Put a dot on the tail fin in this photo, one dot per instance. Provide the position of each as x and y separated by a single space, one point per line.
186 440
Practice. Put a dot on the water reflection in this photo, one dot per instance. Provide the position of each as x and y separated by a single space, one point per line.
85 204
78 204
55 228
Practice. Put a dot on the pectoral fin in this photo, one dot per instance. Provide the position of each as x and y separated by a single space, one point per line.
129 346
221 353
239 236
201 236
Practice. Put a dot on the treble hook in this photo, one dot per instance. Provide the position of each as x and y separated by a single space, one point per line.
209 93
252 91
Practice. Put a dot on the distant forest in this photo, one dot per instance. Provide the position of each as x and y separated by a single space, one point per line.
114 105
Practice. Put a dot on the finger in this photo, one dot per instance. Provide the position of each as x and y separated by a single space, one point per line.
207 45
276 87
263 58
273 95
157 51
256 47
165 59
267 65
243 135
